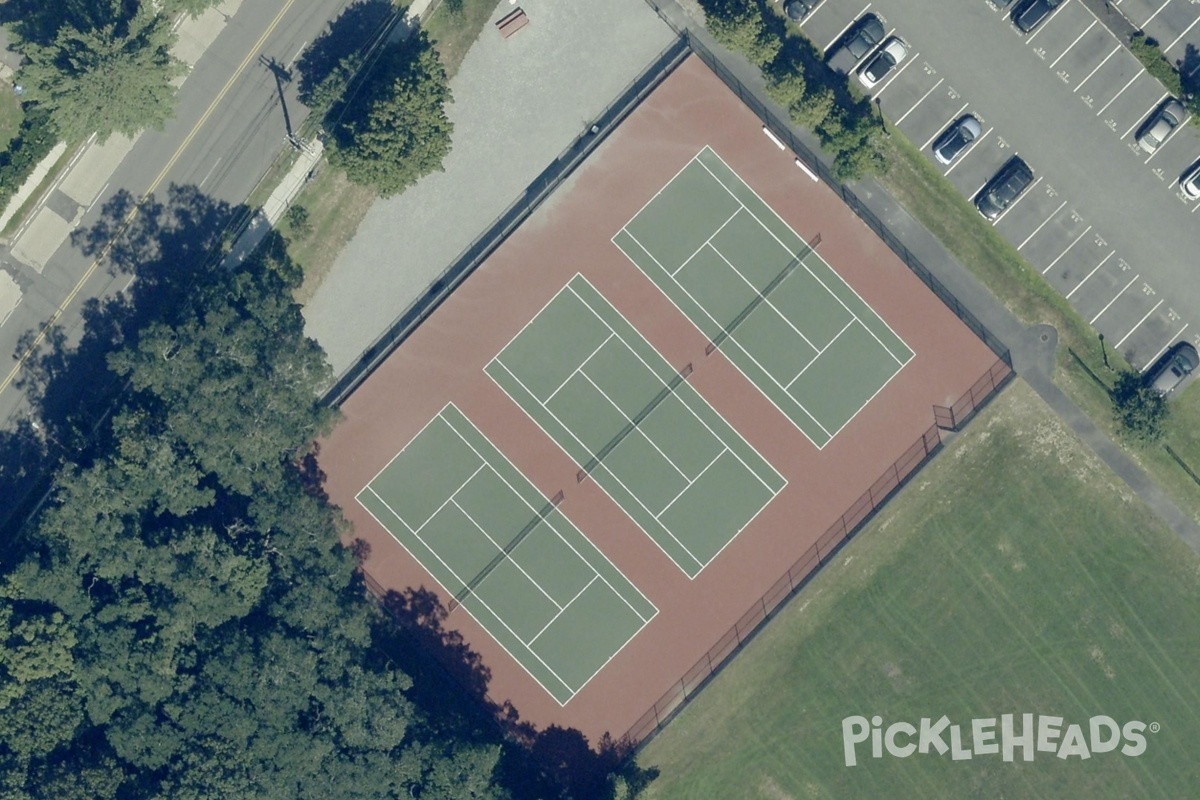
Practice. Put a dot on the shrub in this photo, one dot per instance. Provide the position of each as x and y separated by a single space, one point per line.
34 140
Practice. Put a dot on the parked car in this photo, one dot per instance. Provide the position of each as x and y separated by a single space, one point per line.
797 10
858 41
1005 186
1031 13
1173 368
1161 123
955 139
1189 182
880 65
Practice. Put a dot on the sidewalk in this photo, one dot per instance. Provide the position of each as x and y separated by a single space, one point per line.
1032 347
276 205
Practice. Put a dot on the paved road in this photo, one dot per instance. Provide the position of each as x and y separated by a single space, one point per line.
228 128
1104 223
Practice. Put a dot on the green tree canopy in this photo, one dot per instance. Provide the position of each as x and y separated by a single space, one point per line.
112 78
1140 408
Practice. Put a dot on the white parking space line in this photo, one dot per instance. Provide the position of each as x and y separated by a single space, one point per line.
1072 44
1180 36
914 105
1064 252
1024 194
942 127
1090 274
842 32
1092 321
1123 88
1146 113
1139 324
1155 14
1046 22
967 152
897 75
1039 227
1097 67
1170 341
1169 138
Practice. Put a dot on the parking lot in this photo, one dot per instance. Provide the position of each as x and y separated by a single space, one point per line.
1103 221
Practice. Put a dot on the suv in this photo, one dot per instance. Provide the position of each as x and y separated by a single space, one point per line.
1004 187
862 38
1173 368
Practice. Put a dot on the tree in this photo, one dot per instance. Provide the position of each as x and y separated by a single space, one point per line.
193 8
1141 410
739 25
114 78
393 130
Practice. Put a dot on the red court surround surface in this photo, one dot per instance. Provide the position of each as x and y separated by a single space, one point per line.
443 361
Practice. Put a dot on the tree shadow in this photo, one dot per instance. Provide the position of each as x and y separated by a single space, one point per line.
450 681
1189 70
354 31
39 21
166 248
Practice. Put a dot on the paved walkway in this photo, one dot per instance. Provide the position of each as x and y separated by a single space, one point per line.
518 103
1032 347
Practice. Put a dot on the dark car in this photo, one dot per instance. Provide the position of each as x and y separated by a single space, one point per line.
1173 368
1031 13
797 10
1004 187
861 39
956 139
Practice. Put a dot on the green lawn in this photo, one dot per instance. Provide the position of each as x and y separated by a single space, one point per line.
10 115
1015 574
454 28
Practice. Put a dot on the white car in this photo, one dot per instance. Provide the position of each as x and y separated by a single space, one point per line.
1189 183
880 65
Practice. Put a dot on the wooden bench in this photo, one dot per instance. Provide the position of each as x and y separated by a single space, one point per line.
512 22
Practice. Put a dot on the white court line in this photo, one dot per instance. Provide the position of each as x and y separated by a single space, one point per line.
1072 44
1064 252
660 191
561 609
629 420
548 518
804 369
1013 205
890 80
914 105
967 152
1155 14
1045 23
1090 274
766 300
507 556
436 418
1097 68
1092 321
575 371
842 32
834 272
1039 227
942 128
733 431
709 239
1142 117
1123 88
1139 324
1170 341
658 516
1186 31
731 338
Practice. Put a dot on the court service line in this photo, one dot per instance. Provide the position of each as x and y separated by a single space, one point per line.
561 610
736 343
821 258
684 489
818 355
549 517
483 603
711 236
637 428
1090 274
507 556
133 212
766 300
1092 321
611 474
447 501
575 371
1139 323
732 430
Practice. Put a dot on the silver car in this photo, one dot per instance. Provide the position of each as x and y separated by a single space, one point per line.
1173 368
880 65
1161 123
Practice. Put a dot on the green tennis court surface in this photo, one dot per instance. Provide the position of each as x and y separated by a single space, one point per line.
760 294
633 423
523 571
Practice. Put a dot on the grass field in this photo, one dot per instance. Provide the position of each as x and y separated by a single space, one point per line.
10 115
1016 574
949 216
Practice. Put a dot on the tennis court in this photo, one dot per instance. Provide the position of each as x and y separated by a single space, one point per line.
633 423
504 552
763 296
